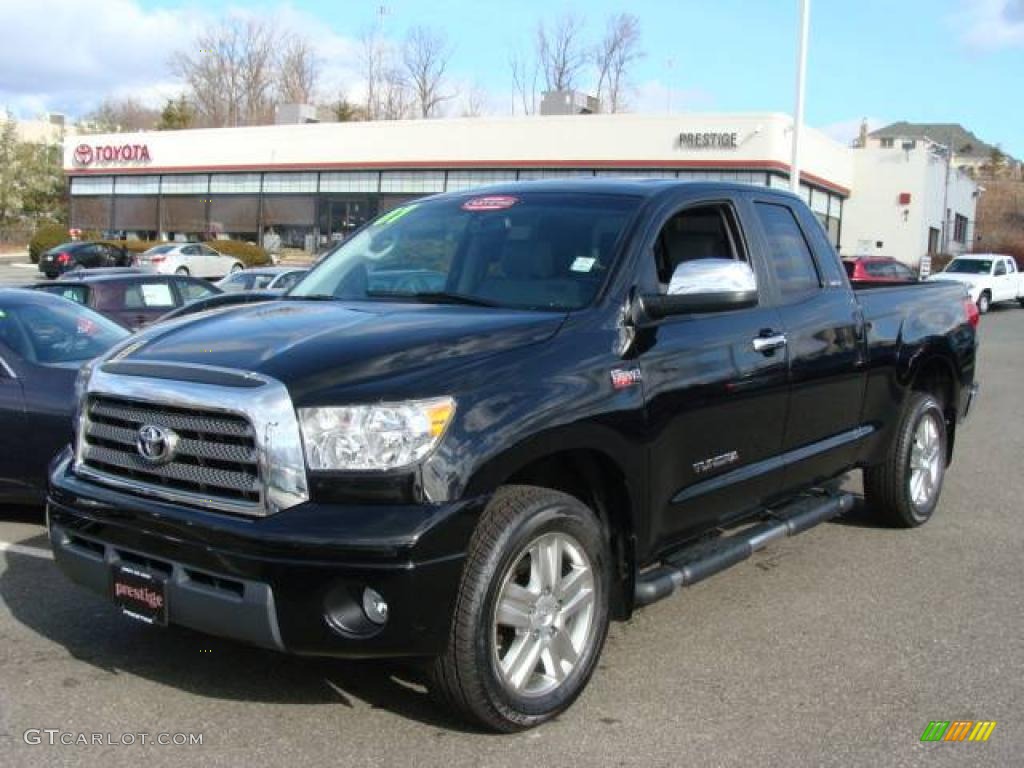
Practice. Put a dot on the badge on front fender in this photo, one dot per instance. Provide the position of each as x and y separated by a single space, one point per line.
623 378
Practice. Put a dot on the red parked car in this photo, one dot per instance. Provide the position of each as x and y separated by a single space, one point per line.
879 269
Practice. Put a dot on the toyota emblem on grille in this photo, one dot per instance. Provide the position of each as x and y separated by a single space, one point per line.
157 445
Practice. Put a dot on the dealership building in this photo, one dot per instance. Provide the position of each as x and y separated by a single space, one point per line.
311 184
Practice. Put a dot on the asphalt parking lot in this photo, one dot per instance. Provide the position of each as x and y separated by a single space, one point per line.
16 270
835 648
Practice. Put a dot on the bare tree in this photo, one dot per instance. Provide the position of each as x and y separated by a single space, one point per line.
474 101
259 71
426 54
525 73
230 73
297 72
560 52
395 100
613 56
371 57
116 115
387 92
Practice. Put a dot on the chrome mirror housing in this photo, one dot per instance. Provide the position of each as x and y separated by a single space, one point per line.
701 286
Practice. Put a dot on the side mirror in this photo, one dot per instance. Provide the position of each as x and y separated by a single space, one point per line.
704 285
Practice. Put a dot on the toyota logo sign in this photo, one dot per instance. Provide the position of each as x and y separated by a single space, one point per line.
88 154
83 154
156 445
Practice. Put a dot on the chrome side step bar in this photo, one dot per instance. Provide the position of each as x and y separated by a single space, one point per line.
699 561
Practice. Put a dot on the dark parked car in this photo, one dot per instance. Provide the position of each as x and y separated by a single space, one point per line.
135 299
82 255
879 269
602 392
43 342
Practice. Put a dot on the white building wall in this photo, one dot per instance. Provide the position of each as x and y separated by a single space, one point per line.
875 223
762 141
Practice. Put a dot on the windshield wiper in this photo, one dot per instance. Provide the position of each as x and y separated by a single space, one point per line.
439 297
310 297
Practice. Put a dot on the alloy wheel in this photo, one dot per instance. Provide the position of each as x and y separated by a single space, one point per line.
925 461
544 615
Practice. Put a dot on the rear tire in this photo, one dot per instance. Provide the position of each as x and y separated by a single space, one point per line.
904 490
236 267
183 271
984 303
531 614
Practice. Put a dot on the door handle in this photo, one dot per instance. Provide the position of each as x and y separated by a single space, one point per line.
768 344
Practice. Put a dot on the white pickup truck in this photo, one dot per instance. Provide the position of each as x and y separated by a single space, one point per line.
990 278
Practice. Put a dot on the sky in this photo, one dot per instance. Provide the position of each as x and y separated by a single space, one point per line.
917 60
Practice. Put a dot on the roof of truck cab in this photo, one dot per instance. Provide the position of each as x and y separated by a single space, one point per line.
603 185
983 256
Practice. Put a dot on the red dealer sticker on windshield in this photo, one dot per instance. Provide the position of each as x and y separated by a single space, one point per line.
492 203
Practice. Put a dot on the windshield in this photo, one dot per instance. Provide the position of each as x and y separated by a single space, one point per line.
531 250
970 266
58 332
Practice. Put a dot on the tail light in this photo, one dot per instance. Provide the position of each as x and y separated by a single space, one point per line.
973 315
63 257
156 259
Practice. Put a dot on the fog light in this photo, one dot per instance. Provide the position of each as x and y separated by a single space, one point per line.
374 606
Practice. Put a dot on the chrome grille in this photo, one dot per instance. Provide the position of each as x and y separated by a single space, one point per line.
216 458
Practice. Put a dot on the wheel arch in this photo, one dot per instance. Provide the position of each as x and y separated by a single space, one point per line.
936 375
604 480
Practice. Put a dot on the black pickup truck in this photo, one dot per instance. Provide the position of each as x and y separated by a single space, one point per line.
493 421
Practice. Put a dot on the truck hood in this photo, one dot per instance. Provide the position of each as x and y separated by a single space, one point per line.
315 346
959 277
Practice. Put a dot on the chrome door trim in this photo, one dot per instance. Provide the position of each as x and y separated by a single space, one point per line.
11 373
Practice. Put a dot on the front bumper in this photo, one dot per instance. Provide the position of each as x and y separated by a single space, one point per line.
291 581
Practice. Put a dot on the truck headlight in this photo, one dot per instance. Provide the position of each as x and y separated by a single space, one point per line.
373 437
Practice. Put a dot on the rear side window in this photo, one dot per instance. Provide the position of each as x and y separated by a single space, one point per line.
789 256
148 295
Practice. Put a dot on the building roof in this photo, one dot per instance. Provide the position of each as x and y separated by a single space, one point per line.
963 142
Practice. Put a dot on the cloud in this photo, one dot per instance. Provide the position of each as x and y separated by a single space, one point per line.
987 25
69 55
845 131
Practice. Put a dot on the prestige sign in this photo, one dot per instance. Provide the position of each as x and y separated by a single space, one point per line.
708 140
89 154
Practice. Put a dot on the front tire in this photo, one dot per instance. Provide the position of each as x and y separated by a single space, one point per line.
984 303
532 611
905 489
183 271
235 268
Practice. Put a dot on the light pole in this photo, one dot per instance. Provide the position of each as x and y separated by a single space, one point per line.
801 76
